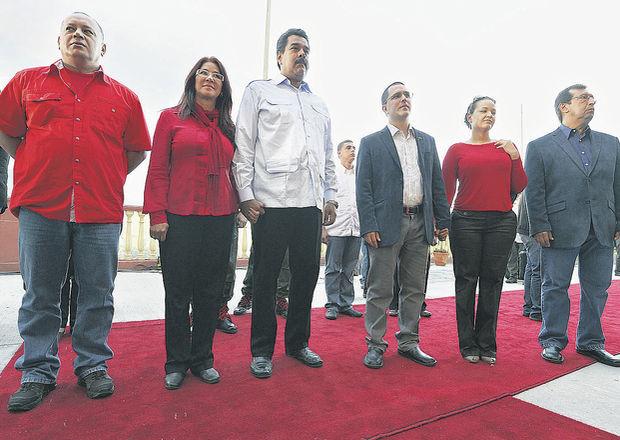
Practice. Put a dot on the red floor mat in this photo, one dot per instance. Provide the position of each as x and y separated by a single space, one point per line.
342 400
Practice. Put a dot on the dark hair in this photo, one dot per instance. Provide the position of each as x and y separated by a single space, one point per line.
86 15
565 97
223 102
472 106
341 144
384 95
283 40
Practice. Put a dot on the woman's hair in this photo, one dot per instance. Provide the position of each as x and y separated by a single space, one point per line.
472 106
223 103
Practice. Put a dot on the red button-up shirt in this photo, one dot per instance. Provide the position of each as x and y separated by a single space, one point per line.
178 180
73 146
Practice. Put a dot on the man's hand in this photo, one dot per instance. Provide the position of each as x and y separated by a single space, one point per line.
508 147
324 235
617 235
252 209
159 232
329 214
441 234
241 220
544 238
373 239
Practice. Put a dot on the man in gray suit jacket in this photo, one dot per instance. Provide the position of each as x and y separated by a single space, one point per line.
572 198
400 196
4 164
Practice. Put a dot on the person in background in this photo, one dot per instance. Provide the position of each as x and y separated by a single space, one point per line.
393 308
68 301
69 202
343 240
531 279
489 173
192 203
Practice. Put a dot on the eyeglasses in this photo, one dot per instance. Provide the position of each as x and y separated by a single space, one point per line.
205 73
586 97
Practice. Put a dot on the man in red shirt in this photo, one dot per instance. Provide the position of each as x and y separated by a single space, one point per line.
75 134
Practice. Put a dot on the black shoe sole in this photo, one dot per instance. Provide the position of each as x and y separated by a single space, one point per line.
417 361
374 366
308 364
601 361
260 375
553 361
227 331
239 312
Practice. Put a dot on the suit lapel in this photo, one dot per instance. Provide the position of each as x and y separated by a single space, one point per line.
563 143
596 149
422 148
388 142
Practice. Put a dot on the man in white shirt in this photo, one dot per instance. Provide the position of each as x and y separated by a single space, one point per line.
343 240
285 176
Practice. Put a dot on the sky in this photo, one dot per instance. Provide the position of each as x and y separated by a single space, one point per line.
520 53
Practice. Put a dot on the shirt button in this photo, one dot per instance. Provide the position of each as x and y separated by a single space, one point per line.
78 99
77 183
113 110
78 119
77 160
77 138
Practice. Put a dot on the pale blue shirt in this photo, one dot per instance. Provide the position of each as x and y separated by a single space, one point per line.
284 146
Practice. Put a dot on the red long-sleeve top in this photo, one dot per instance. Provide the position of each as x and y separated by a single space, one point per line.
189 171
486 175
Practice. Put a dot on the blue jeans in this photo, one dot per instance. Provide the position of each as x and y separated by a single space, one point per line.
44 249
341 259
595 266
531 279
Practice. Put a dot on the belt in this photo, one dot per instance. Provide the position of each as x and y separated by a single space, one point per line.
412 210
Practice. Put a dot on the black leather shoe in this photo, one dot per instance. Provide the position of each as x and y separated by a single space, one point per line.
308 357
536 317
417 355
29 395
261 367
374 358
226 325
210 375
331 313
98 384
425 314
393 312
350 311
602 356
526 313
245 305
511 280
173 381
553 355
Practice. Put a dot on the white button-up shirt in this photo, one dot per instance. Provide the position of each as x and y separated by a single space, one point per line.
407 149
347 222
284 147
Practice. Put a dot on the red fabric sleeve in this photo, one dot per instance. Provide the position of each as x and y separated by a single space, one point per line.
518 178
158 177
449 172
136 137
13 113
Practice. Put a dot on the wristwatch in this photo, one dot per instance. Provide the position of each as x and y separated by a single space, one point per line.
333 202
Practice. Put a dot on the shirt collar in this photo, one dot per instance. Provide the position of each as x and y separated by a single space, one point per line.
281 79
345 170
568 131
58 65
394 130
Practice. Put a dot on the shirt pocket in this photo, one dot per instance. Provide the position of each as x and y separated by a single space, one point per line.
109 118
42 108
275 112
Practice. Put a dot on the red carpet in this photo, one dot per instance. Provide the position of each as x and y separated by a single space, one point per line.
342 400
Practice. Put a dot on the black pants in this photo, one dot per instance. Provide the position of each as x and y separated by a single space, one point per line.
194 257
299 230
480 243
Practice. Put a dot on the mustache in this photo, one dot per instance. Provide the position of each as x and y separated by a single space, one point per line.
301 61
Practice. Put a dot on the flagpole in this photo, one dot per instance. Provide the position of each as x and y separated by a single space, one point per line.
266 49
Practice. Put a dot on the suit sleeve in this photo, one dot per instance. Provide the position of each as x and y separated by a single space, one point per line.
363 190
441 208
535 194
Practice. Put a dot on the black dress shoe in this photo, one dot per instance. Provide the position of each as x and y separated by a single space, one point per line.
526 313
350 311
226 325
536 317
417 355
29 395
210 375
374 358
511 280
602 356
331 313
261 367
173 381
425 314
393 312
245 305
308 357
553 355
98 384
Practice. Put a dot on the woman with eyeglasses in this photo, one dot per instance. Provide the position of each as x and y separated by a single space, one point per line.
490 175
191 200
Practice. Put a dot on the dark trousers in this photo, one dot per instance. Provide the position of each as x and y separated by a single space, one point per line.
480 243
512 267
194 257
396 292
284 278
68 298
297 229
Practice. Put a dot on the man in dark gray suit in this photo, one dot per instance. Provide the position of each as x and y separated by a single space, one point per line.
4 174
572 196
400 196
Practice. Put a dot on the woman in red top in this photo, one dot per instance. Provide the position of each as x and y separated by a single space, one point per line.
490 174
191 201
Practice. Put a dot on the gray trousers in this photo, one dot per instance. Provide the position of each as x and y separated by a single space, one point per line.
411 254
341 258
